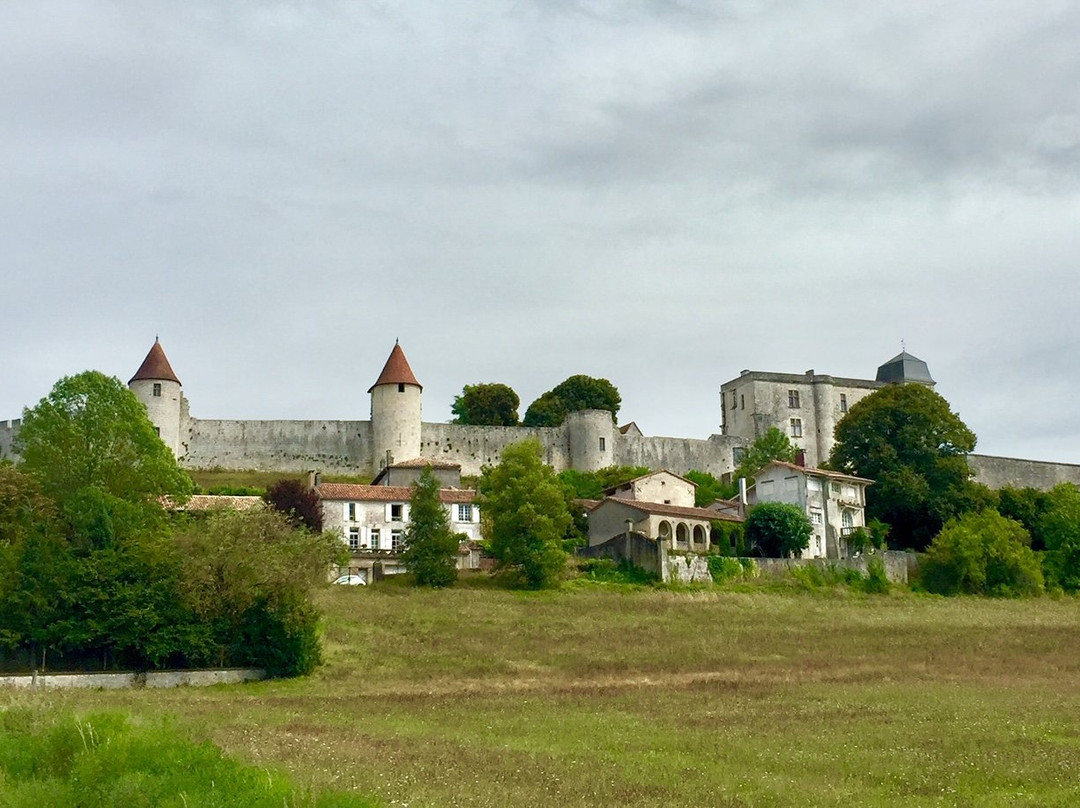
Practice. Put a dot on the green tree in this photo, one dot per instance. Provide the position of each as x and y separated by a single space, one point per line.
431 550
592 484
709 489
526 505
982 554
778 530
572 395
1059 526
1026 506
486 405
913 446
773 445
91 431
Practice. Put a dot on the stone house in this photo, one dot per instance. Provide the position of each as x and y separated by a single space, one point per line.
833 502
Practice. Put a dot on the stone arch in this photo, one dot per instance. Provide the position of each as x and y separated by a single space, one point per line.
701 538
682 535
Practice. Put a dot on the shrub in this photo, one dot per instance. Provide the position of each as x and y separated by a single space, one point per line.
982 554
778 530
725 568
876 581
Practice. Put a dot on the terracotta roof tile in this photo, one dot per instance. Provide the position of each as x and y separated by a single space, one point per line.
396 370
155 367
673 510
835 475
211 502
388 493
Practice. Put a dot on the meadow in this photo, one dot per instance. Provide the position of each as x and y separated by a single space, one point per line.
613 695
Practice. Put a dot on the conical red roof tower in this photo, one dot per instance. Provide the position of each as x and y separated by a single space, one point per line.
156 367
396 370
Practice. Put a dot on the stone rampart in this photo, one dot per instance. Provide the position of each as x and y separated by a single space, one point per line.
8 430
999 472
898 565
679 455
477 446
336 447
637 548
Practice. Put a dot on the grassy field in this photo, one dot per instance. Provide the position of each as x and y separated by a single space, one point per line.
600 695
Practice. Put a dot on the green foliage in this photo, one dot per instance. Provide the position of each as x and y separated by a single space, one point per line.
625 572
876 581
723 568
1026 506
827 576
982 554
778 530
526 505
92 432
572 395
592 484
486 405
709 489
297 501
430 550
773 445
1059 527
108 759
872 537
728 536
906 439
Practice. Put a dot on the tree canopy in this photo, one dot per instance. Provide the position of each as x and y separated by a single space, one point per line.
709 489
430 551
486 405
913 446
982 554
91 431
297 501
778 530
1059 526
773 445
592 484
526 506
572 395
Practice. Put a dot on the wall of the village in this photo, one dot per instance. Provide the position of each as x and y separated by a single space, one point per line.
477 446
998 472
680 455
335 447
8 430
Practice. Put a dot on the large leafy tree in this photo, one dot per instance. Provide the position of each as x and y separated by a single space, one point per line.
773 445
430 552
1059 526
914 447
297 501
92 432
572 395
486 405
778 530
592 484
982 554
709 489
526 505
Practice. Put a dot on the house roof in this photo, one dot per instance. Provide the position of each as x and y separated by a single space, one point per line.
396 370
212 502
416 463
905 368
834 475
155 367
630 429
388 493
659 509
651 474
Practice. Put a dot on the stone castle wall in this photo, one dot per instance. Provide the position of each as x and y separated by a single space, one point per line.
998 472
8 430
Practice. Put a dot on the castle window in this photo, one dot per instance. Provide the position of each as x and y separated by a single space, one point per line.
464 513
815 517
734 402
157 389
396 512
352 511
601 444
401 388
742 402
375 539
354 538
796 427
157 431
395 539
793 399
843 403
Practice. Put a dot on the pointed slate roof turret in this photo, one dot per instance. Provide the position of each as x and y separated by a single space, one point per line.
904 368
156 366
396 370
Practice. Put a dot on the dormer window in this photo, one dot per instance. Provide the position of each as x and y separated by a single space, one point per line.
157 389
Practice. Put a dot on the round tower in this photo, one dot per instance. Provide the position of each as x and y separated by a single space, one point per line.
155 385
591 434
395 412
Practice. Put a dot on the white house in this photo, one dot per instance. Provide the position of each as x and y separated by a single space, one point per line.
372 519
834 502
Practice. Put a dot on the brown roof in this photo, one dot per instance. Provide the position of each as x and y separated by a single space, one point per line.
835 475
155 367
673 510
423 463
388 493
210 502
396 370
647 476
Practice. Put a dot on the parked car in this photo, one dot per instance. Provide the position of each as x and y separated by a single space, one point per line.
351 579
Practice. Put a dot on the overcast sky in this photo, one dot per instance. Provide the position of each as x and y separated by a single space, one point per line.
661 194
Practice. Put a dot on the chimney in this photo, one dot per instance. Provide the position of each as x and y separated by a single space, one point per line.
314 479
800 458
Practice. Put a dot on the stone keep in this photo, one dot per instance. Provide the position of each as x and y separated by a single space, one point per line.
157 387
395 412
